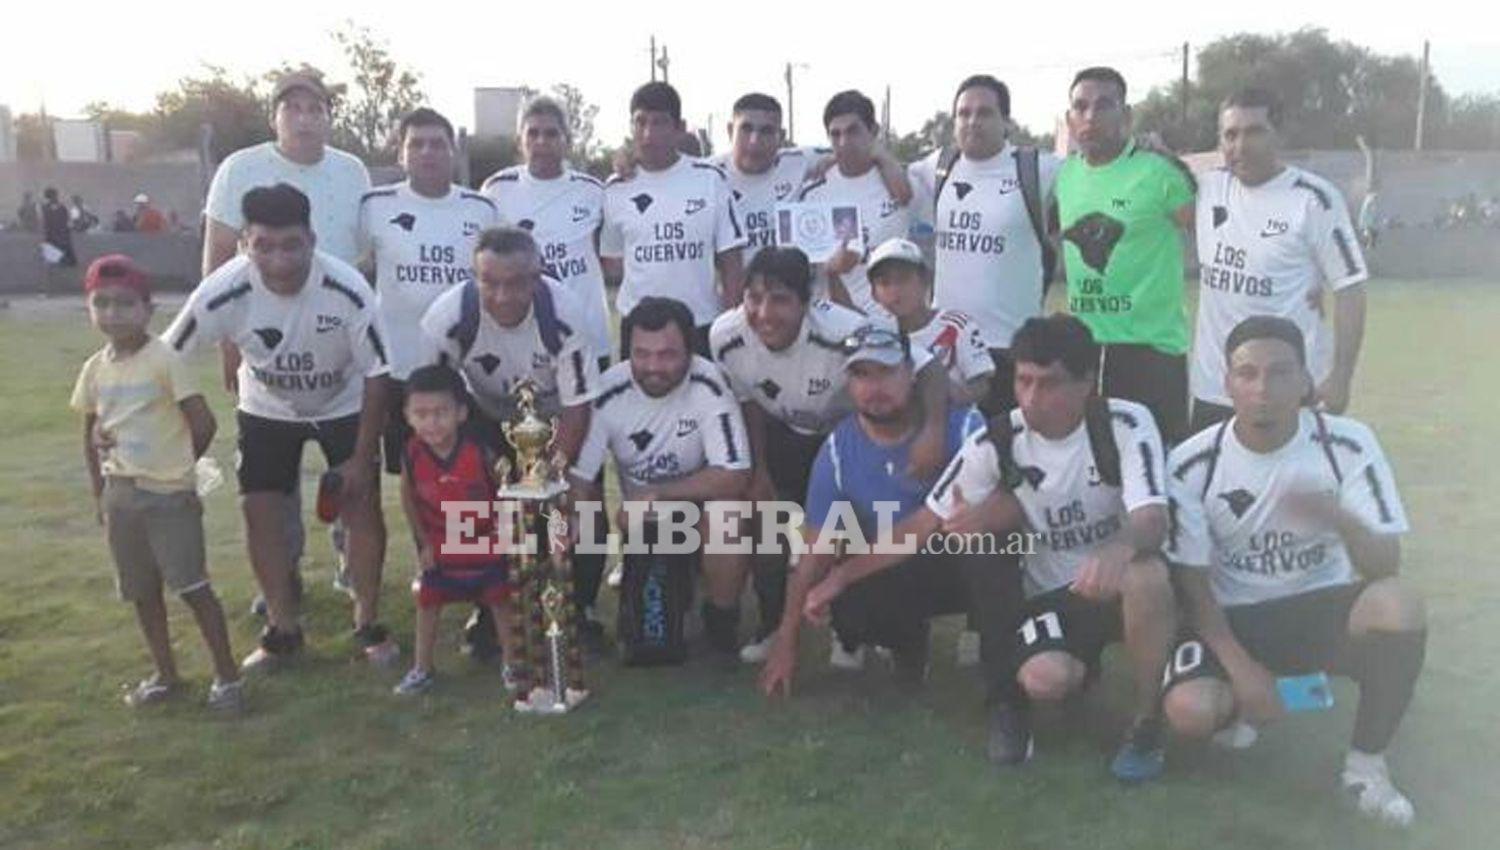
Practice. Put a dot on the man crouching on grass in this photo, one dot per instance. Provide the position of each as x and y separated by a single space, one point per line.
145 425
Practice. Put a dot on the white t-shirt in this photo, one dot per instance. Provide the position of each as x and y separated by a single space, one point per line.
1067 506
1237 525
422 248
803 385
304 357
988 262
756 195
500 357
333 186
695 425
881 218
563 215
1265 250
955 341
669 226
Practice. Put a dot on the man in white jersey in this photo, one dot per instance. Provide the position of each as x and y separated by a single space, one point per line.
419 237
333 182
676 435
763 172
783 354
858 178
673 223
1286 529
1273 239
313 368
989 206
562 208
900 283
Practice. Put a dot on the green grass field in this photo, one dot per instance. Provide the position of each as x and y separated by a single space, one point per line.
693 757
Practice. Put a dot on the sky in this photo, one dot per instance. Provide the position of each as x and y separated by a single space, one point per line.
68 54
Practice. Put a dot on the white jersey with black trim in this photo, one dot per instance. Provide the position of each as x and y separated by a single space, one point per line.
494 359
756 195
987 260
1275 249
422 247
695 425
563 215
304 357
333 186
802 385
1069 509
1230 512
955 341
881 218
669 226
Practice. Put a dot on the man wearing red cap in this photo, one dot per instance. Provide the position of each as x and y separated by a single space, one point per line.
145 425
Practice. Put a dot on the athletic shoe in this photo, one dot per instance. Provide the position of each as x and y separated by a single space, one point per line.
1010 743
966 653
1142 756
511 678
841 658
226 697
1368 786
413 683
275 649
383 654
150 691
758 651
1239 735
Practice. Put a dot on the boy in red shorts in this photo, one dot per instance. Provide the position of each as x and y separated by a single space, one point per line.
442 465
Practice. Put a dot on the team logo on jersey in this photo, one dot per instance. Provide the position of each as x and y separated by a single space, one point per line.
888 208
471 228
580 213
406 221
269 337
693 205
642 439
1221 215
1274 227
770 388
642 202
783 189
1096 236
686 426
540 360
1033 475
328 323
818 386
1119 203
488 362
526 224
1008 185
962 189
1093 478
737 196
1238 501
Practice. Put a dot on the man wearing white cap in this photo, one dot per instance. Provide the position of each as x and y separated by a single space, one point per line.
148 219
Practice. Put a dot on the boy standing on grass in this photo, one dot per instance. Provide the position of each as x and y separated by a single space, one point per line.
145 426
443 466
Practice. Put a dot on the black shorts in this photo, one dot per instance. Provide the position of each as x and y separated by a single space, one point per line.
1207 414
1155 379
789 459
397 432
1291 636
1062 621
270 450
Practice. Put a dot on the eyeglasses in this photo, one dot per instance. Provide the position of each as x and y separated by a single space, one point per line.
876 338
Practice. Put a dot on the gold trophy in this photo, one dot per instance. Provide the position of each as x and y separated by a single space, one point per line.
551 671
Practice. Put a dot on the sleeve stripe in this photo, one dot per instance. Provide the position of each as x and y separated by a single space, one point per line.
579 386
1379 494
186 333
376 343
1174 526
1146 463
734 452
227 296
939 492
1346 252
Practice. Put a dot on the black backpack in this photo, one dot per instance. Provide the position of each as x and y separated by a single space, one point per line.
1323 440
1029 175
466 331
1096 419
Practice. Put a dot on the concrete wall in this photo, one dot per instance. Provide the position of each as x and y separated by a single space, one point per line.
172 258
109 186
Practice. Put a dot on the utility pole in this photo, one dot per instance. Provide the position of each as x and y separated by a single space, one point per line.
653 58
885 115
1422 96
791 110
1184 83
664 62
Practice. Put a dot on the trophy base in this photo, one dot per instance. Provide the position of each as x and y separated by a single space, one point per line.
542 701
532 492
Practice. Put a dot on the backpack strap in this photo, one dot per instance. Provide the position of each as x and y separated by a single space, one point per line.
1029 175
1327 443
1213 457
1001 436
548 325
946 160
1096 419
467 330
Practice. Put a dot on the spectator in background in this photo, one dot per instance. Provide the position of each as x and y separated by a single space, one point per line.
148 219
122 222
55 230
28 218
80 218
1369 218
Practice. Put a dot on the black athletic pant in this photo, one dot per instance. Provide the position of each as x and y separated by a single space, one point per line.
1153 378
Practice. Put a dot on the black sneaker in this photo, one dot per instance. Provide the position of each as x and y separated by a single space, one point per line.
1010 742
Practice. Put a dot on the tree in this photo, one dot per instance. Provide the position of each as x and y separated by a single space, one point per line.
581 116
235 111
380 93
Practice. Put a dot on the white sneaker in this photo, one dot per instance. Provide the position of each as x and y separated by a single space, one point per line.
841 659
1237 736
966 654
758 651
1369 788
